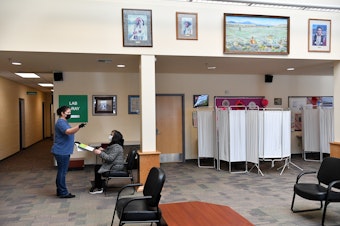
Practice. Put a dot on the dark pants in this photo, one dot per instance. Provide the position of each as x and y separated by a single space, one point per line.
62 162
98 182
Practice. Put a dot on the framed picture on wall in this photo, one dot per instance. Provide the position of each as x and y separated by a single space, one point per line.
186 26
256 34
134 104
137 28
104 105
319 35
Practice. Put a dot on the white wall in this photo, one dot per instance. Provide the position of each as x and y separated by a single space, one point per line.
94 26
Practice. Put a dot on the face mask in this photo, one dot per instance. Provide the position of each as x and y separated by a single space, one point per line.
110 137
68 116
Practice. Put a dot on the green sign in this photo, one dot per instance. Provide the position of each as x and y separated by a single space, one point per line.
78 105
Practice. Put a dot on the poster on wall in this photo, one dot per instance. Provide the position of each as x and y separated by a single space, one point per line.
250 102
296 105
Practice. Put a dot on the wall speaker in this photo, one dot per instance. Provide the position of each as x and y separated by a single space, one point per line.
58 76
268 78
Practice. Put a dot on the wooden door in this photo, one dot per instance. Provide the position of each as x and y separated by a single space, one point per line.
169 127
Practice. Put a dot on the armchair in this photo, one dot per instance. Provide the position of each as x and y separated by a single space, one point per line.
141 209
125 173
325 190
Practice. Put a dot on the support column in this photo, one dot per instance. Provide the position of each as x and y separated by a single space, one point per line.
148 155
335 146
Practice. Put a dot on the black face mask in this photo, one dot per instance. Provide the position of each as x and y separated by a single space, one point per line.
68 116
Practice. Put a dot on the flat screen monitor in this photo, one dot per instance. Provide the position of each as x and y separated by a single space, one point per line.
201 100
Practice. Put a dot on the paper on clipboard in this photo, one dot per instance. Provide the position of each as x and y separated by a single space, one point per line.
84 147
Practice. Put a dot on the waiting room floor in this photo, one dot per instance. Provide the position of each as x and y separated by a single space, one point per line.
27 192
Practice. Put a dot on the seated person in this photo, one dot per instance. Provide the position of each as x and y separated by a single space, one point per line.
113 159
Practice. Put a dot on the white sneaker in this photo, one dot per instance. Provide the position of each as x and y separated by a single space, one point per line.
96 191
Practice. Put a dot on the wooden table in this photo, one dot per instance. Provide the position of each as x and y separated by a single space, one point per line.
200 213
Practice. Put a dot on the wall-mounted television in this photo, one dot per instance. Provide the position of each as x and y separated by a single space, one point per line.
201 100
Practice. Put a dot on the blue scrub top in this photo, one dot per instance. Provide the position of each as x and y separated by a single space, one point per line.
63 143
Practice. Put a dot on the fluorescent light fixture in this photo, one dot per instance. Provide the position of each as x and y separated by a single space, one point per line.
16 63
121 65
290 69
277 6
27 75
211 68
45 84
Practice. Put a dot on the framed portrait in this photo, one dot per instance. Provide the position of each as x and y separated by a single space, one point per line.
134 104
186 26
256 34
104 105
319 35
137 28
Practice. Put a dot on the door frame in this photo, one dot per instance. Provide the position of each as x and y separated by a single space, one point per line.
183 121
21 124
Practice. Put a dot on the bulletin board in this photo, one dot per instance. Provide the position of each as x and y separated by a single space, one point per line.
297 103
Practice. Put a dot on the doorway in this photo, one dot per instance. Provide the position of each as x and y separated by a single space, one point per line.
21 124
170 127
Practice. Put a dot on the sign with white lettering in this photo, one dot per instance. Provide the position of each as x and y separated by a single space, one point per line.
78 105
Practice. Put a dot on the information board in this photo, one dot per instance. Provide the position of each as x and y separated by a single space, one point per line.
78 105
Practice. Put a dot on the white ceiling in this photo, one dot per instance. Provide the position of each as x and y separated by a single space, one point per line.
44 64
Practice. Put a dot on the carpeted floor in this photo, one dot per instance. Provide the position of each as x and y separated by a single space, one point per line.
27 192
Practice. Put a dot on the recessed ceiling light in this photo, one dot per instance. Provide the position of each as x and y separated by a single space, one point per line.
27 75
16 63
290 69
121 65
45 84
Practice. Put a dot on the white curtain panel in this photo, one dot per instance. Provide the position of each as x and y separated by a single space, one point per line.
326 128
252 136
206 133
237 137
311 130
272 134
222 126
286 134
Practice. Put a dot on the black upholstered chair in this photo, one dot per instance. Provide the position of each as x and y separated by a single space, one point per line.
141 208
324 190
125 173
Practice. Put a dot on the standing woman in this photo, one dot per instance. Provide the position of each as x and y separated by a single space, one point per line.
63 147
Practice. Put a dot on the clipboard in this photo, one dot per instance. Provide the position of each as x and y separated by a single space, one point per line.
83 147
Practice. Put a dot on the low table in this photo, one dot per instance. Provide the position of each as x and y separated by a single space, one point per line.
200 214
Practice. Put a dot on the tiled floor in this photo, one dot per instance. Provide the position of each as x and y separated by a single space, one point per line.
27 192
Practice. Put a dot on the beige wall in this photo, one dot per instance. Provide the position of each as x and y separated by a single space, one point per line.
10 92
96 27
122 85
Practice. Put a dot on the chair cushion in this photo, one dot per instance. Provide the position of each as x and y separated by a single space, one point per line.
116 174
136 210
311 191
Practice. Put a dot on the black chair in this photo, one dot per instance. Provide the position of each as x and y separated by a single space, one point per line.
328 178
122 174
141 208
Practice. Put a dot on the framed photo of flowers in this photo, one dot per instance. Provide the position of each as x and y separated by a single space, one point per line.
256 34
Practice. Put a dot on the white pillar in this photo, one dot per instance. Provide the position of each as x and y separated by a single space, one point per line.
148 103
336 100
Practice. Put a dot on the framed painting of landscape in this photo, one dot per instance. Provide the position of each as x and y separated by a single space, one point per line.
256 34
